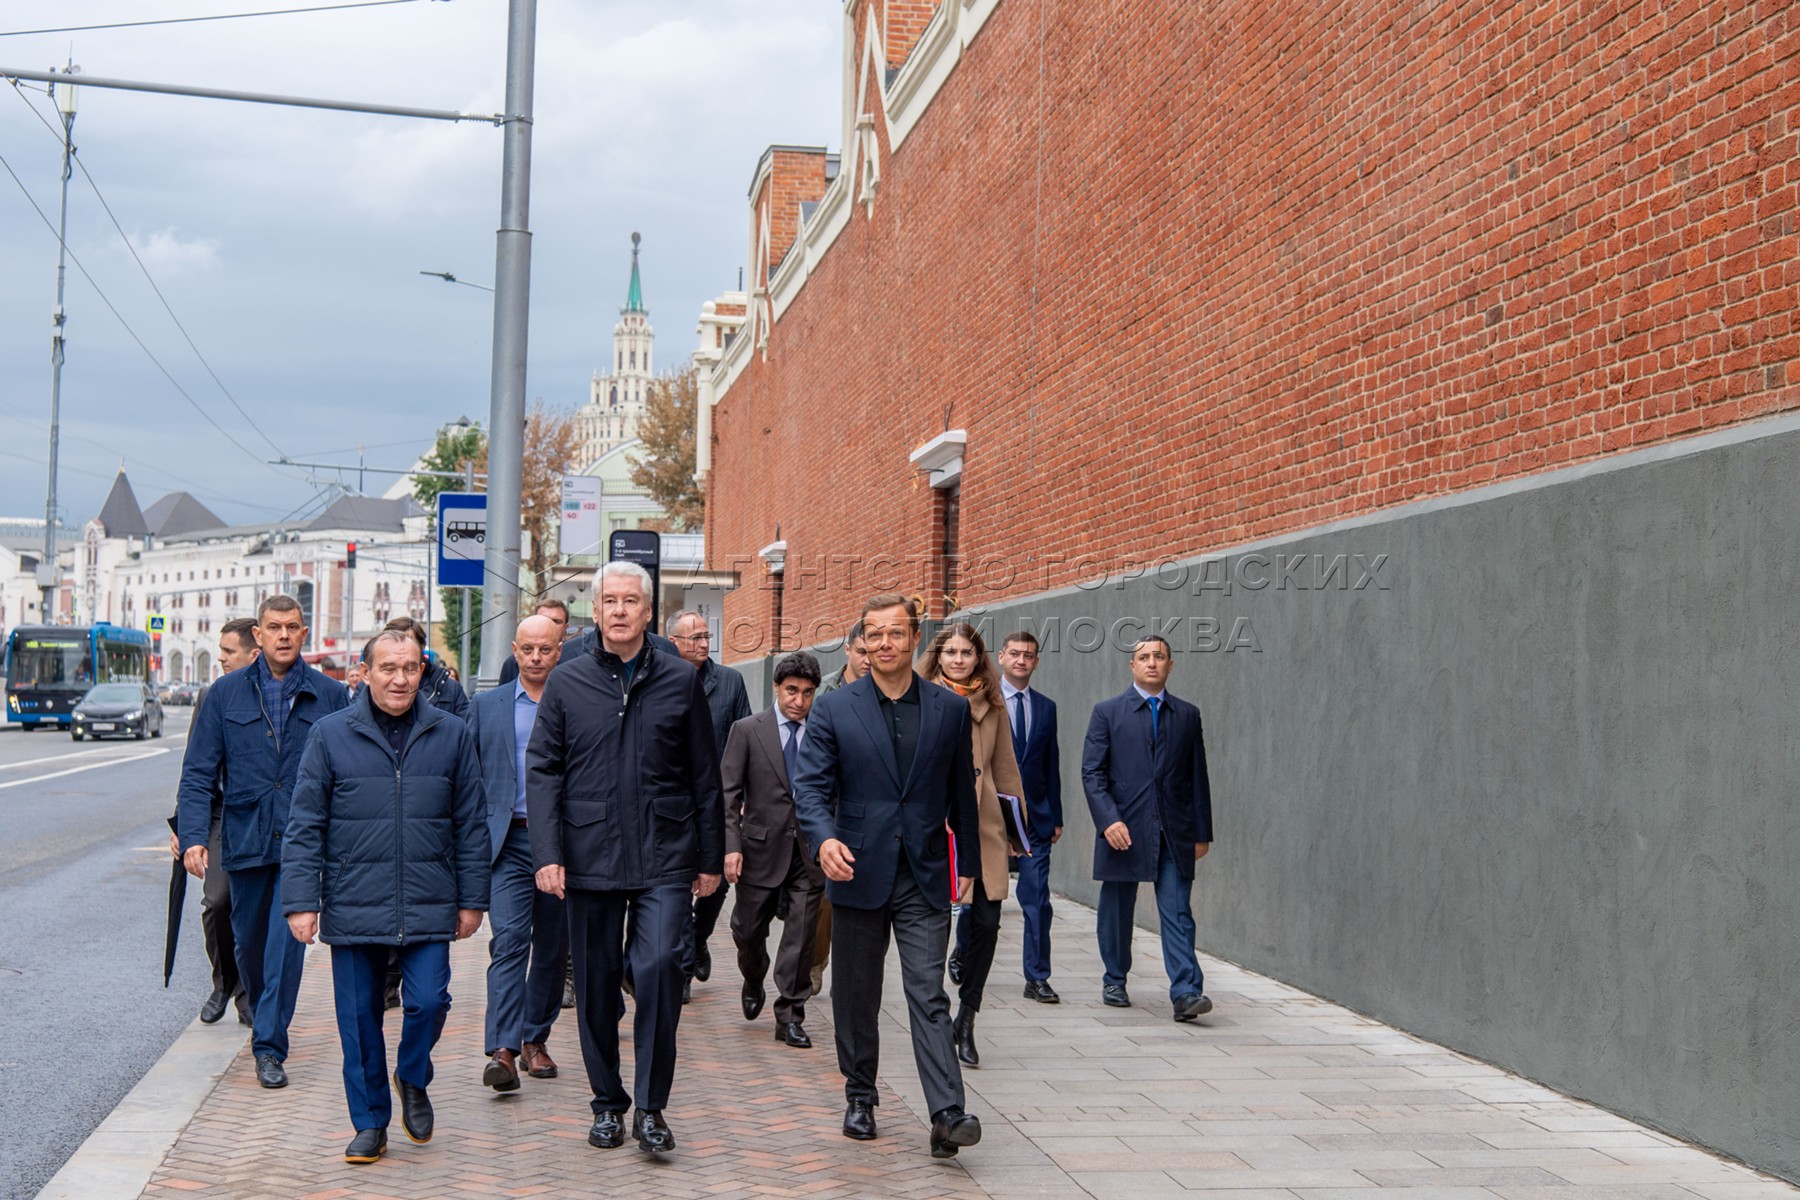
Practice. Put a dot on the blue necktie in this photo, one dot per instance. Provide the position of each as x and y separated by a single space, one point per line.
1155 704
791 751
1018 726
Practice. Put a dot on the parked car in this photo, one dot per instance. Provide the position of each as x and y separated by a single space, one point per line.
125 709
182 694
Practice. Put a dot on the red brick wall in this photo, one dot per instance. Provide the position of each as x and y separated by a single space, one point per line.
795 176
1244 269
905 21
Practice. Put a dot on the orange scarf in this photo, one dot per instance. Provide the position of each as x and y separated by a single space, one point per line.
965 690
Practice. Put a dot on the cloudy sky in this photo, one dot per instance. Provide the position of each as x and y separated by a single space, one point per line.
289 242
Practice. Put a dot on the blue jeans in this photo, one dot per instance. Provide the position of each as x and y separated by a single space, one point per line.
269 957
526 953
1034 905
1174 909
358 984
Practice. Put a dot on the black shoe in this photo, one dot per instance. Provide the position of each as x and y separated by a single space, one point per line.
782 908
956 966
652 1132
792 1033
687 991
568 1000
608 1132
214 1008
964 1030
702 962
753 998
1192 1005
390 1000
951 1130
269 1071
1113 995
243 1007
367 1146
415 1111
1041 991
859 1120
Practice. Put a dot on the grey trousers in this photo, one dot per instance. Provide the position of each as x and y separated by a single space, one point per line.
920 927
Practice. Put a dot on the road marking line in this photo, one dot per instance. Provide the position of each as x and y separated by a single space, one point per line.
77 770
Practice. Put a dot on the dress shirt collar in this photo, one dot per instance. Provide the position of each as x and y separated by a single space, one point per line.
1142 694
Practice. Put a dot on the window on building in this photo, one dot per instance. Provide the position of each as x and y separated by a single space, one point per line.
948 556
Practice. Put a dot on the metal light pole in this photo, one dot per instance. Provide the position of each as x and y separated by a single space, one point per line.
512 299
47 581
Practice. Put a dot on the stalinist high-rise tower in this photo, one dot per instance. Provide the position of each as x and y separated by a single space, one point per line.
616 397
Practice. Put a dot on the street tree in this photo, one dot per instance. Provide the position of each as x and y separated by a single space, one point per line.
664 464
550 448
458 448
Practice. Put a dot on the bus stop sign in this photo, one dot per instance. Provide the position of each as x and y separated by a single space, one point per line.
461 539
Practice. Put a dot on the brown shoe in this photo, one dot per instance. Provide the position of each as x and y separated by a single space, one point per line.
501 1072
538 1063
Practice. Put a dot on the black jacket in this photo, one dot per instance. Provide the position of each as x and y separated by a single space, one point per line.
384 847
622 784
727 699
437 689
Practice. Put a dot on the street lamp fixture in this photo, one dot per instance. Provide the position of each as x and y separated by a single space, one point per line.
447 277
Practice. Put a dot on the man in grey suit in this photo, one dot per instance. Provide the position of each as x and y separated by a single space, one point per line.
764 853
526 955
886 767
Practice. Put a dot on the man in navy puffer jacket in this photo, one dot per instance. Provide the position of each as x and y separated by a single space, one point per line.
387 846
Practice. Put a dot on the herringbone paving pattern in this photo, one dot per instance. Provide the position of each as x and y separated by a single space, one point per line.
1276 1095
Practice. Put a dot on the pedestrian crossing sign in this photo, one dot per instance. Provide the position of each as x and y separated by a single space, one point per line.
156 623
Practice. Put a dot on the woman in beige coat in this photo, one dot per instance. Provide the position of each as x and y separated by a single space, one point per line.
958 660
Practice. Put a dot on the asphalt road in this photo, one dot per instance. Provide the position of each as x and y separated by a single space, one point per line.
83 898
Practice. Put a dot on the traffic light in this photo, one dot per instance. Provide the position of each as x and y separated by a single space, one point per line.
350 555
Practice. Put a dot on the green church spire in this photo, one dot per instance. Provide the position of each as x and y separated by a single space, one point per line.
634 299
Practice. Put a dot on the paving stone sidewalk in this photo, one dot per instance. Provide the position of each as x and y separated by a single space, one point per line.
1276 1094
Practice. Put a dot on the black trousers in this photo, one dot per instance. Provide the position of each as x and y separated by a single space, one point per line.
920 926
706 919
977 936
660 922
215 921
750 918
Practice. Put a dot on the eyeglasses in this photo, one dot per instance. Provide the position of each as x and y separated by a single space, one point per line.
693 637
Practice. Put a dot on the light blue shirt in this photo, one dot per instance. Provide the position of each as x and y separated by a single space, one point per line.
781 727
1136 687
524 715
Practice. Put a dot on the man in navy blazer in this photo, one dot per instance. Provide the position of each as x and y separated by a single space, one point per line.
529 948
1144 769
887 767
1033 717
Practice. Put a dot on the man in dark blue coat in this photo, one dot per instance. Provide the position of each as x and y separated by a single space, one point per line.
528 952
886 768
248 740
626 820
1144 769
387 846
1033 718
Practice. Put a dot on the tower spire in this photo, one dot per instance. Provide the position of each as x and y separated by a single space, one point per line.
634 299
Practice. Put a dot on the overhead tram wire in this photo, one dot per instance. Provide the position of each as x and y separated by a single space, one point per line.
120 317
214 375
274 12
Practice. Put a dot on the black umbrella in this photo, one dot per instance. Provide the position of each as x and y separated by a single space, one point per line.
178 878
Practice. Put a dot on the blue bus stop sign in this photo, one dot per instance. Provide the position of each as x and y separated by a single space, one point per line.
462 539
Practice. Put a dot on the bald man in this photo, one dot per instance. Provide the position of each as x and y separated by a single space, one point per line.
530 928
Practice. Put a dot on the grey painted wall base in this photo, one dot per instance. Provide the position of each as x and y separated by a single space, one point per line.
1529 791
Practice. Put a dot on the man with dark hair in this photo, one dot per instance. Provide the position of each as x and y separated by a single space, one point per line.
1143 767
436 683
237 649
623 810
856 662
886 765
728 702
387 849
765 855
249 739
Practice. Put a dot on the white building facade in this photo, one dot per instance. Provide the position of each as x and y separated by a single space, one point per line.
616 397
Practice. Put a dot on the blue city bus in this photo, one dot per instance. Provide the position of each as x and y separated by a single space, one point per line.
50 667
